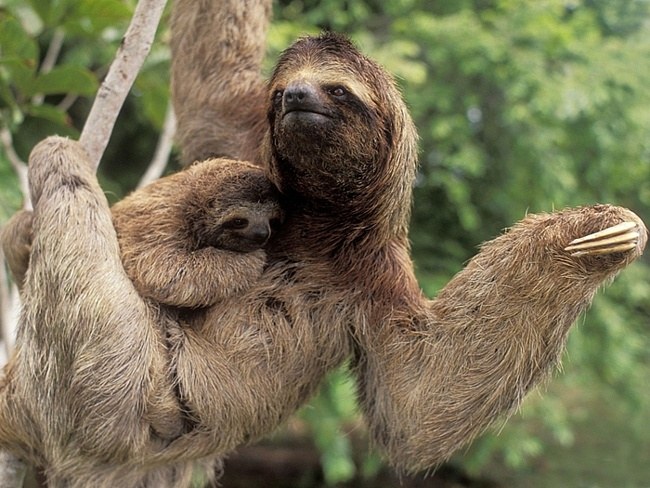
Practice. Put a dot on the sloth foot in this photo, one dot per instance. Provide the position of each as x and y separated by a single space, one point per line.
622 237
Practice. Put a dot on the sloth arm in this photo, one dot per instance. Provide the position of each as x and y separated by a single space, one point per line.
16 241
437 373
83 328
217 89
157 253
175 276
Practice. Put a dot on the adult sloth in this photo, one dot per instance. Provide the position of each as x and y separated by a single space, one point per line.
88 393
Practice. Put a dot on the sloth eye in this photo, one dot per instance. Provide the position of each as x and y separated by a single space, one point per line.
236 223
338 91
277 96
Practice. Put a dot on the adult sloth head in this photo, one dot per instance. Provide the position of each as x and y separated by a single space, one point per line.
340 132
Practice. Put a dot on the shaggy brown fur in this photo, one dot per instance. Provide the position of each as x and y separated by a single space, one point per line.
186 240
16 242
196 236
217 101
92 369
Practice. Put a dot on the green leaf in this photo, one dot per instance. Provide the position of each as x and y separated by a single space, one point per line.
15 43
152 89
10 195
337 460
65 79
48 112
18 55
52 11
92 17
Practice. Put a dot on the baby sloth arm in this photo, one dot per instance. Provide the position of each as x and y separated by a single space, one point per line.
196 237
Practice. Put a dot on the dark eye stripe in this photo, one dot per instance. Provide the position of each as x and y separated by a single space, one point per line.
237 223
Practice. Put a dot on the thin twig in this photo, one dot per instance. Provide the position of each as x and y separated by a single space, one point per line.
50 59
163 149
19 166
65 104
121 75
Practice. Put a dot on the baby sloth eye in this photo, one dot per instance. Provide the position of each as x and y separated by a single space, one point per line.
338 91
277 96
236 223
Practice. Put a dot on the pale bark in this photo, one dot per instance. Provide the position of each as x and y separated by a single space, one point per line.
120 77
163 149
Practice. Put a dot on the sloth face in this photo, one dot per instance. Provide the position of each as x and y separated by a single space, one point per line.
331 116
237 210
245 228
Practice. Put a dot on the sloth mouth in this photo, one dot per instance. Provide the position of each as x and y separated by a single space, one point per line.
307 112
302 119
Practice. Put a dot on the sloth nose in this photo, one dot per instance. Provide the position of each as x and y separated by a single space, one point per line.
300 95
260 234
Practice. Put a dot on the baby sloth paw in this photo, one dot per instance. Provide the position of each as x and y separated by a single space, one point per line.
621 237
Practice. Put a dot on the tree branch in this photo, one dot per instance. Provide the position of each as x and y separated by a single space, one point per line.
49 61
19 166
121 75
163 149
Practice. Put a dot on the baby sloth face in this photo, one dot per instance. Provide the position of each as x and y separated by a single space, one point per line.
245 227
232 206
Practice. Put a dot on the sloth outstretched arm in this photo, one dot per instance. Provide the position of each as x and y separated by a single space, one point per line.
434 374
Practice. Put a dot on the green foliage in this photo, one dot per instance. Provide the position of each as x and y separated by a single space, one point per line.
10 196
521 106
327 415
53 55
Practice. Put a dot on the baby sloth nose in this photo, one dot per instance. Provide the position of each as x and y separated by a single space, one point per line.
300 95
259 234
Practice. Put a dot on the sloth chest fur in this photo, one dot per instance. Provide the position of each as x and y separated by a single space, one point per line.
262 356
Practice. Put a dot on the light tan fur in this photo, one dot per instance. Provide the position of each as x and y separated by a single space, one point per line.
16 242
92 370
216 99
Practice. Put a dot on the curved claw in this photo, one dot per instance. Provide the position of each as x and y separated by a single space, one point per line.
618 238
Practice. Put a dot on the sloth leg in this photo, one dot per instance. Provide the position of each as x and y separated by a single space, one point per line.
16 241
87 350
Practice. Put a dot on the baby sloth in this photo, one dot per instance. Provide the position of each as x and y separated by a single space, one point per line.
195 237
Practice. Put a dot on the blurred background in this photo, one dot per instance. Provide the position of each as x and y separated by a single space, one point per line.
521 106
